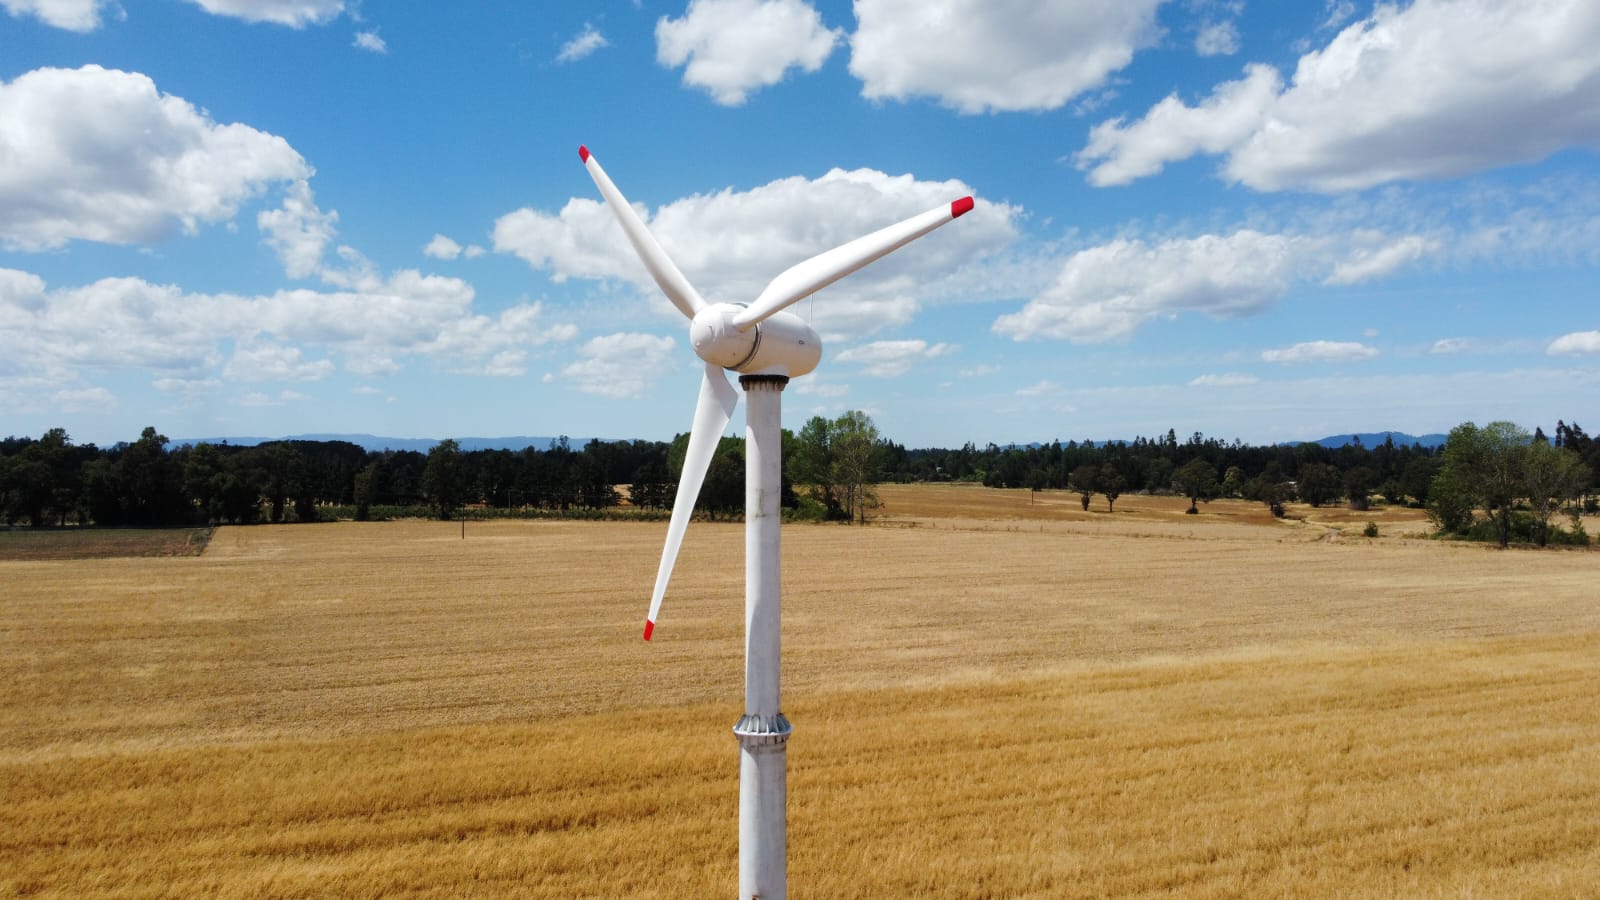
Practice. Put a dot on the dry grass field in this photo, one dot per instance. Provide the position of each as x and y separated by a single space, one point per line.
994 695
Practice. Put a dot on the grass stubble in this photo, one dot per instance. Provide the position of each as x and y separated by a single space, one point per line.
992 698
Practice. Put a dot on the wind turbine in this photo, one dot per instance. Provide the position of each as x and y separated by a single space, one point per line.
767 347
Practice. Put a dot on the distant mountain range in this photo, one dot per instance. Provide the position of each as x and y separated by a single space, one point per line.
372 442
1372 439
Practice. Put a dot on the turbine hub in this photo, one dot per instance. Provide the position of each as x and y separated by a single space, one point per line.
717 341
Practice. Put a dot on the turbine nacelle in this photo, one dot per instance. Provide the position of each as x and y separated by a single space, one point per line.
780 344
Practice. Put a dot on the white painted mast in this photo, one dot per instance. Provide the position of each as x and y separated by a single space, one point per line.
763 732
767 346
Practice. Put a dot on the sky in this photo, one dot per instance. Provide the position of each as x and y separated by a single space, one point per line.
1258 220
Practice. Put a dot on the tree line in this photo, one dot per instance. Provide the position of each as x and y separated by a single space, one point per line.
1496 482
49 480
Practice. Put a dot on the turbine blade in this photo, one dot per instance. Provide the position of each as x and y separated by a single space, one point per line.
712 412
802 280
661 268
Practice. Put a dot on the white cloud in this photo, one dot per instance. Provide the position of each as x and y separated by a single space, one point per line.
1339 12
625 364
891 359
978 55
588 41
369 40
1435 89
1320 352
283 398
288 335
1380 258
1109 291
1042 388
98 154
94 399
979 371
1226 379
442 247
293 13
1217 39
187 387
732 47
731 243
1450 345
275 362
298 232
72 15
811 386
1575 344
1118 154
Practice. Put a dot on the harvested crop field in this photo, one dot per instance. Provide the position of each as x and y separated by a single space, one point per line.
994 695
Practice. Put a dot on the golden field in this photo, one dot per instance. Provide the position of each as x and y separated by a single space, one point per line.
994 694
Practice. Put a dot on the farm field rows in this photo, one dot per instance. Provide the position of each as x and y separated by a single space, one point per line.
993 694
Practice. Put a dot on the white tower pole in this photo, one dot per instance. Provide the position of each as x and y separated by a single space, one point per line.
763 732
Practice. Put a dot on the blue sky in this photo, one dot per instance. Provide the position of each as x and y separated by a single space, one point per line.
1270 221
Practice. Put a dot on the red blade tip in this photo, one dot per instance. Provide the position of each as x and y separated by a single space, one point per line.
960 207
583 153
649 626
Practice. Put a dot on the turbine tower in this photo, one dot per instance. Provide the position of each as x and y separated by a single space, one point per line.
766 346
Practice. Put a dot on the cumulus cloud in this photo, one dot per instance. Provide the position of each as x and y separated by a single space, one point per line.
299 232
1320 352
977 55
1119 153
625 364
1217 39
293 13
732 47
731 243
587 42
891 359
442 247
275 362
1226 379
1108 291
282 398
94 399
369 40
72 15
101 155
1431 90
289 335
1445 346
1578 343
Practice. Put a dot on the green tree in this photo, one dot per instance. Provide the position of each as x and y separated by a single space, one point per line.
150 482
1197 480
1085 480
1358 484
855 444
1552 477
1479 468
1416 479
442 477
811 464
367 484
1318 483
1111 485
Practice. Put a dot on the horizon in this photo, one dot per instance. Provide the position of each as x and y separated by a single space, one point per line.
1269 221
370 442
